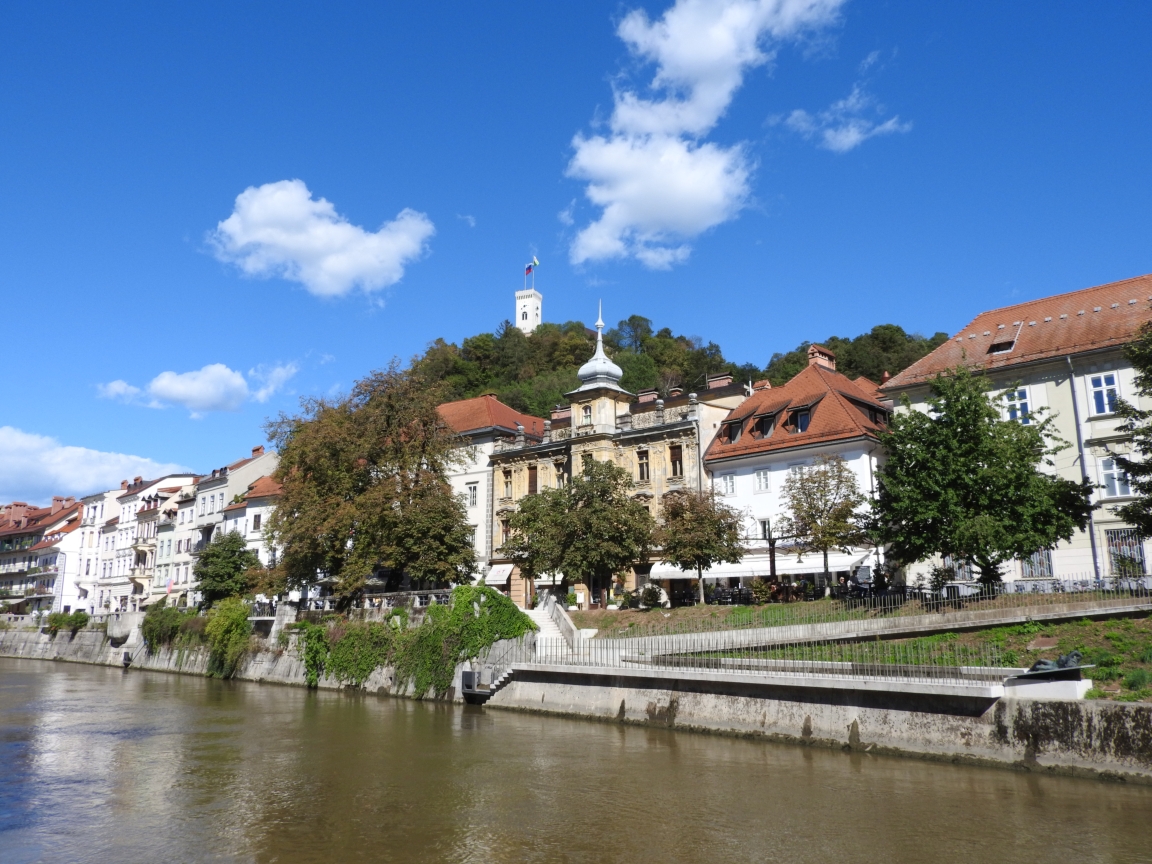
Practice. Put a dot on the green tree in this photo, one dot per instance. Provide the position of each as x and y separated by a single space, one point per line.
699 531
821 503
884 348
962 482
365 487
589 530
1138 424
222 568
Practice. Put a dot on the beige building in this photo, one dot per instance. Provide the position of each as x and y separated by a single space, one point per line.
1062 354
659 441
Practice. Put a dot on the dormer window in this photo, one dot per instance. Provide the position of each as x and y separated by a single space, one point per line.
730 432
762 427
800 419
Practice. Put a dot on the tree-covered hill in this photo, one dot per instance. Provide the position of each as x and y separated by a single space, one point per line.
532 373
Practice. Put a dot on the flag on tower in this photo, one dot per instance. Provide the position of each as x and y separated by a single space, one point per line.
527 269
535 263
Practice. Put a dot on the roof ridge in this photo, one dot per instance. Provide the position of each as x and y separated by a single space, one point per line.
1118 282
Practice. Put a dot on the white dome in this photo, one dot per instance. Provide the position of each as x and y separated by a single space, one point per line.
600 371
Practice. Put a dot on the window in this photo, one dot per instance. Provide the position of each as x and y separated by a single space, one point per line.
762 427
559 469
1016 404
586 414
533 478
799 420
1126 552
203 503
524 316
1104 393
507 484
256 522
504 531
727 484
731 433
763 477
765 529
1038 565
1115 479
676 459
642 466
472 493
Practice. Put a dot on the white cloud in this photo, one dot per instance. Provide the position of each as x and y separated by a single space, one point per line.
36 467
214 387
847 123
271 379
279 229
471 220
657 185
119 390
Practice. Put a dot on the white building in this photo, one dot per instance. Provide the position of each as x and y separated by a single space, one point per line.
483 421
39 555
820 412
99 510
1065 354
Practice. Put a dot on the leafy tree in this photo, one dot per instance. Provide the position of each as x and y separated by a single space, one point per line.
699 531
885 348
1138 424
222 568
365 488
821 503
962 482
589 530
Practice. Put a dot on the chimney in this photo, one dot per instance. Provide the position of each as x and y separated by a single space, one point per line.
884 378
762 385
715 381
136 480
562 412
645 396
58 503
124 485
673 392
818 355
258 450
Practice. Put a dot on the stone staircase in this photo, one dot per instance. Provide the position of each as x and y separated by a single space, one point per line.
548 628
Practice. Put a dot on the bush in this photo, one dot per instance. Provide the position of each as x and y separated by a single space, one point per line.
651 596
1137 680
58 621
570 600
161 625
228 631
627 600
761 590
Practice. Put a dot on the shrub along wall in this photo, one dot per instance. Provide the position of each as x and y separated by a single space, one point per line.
423 655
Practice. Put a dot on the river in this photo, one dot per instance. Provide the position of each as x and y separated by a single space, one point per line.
100 765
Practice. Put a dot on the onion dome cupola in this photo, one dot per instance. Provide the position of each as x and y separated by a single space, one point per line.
600 371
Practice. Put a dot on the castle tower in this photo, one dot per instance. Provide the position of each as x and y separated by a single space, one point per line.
529 309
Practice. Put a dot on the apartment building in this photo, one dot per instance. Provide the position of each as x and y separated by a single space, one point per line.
39 555
1063 354
777 430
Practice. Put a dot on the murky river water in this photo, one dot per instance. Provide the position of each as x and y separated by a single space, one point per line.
104 766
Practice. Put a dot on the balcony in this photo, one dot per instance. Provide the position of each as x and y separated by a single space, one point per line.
144 544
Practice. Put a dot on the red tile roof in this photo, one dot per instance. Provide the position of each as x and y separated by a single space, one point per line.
264 487
488 412
239 505
839 412
1093 318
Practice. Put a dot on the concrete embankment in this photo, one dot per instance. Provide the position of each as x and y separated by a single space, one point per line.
278 665
974 724
1086 738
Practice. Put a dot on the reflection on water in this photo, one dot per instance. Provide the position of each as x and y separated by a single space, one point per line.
105 766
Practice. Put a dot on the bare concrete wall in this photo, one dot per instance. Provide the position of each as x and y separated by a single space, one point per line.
1085 738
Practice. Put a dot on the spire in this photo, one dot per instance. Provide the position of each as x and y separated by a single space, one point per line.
599 371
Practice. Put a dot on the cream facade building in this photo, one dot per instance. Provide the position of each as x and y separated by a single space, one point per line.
1062 354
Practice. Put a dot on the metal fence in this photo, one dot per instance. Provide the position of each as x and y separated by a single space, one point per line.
897 602
919 660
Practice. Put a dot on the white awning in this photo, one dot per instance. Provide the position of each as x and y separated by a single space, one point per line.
498 574
759 565
549 579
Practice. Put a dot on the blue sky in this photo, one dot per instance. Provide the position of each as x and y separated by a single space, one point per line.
210 211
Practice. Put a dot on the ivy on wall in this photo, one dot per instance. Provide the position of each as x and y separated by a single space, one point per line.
425 655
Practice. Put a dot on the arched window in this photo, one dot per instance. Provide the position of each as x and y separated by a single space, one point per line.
586 413
524 315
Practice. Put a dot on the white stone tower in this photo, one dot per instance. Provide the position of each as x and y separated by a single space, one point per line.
529 308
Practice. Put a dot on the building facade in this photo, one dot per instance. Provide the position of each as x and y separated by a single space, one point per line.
1062 354
778 430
